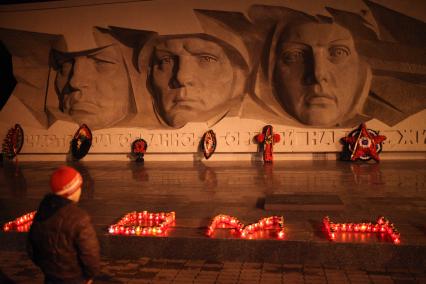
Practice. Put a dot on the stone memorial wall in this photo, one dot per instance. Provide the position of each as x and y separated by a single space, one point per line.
168 71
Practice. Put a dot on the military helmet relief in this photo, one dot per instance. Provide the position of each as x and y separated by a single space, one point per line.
310 71
319 71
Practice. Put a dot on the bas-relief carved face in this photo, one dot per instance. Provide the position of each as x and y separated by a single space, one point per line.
93 87
192 79
316 75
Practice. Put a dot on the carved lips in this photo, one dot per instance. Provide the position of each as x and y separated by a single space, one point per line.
320 98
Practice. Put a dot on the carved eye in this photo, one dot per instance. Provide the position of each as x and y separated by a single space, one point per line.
104 65
207 58
65 68
339 52
165 60
103 62
293 56
102 59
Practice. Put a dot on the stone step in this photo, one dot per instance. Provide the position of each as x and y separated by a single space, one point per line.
379 255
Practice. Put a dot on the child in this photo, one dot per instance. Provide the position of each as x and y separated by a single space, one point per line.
62 240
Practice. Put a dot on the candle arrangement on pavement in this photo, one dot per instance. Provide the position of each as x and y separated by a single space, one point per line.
143 224
269 223
20 224
382 226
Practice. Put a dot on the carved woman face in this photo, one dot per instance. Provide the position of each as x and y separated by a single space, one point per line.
93 87
316 75
192 79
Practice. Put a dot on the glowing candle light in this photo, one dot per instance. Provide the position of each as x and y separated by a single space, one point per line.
226 221
130 224
382 226
356 228
20 224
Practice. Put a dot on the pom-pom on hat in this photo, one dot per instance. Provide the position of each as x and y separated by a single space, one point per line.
65 181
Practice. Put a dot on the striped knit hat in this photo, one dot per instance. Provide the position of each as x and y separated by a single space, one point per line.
65 181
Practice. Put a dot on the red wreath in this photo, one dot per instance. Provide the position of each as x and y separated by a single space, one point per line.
266 141
364 144
138 149
13 142
81 142
208 143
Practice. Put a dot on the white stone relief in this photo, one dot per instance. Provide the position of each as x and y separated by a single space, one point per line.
313 74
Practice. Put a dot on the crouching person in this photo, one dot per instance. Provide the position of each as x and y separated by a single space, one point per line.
62 240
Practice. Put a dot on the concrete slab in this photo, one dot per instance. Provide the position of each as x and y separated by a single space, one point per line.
396 190
303 202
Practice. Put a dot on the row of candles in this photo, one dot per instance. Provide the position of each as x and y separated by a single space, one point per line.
20 224
268 223
382 226
143 224
156 224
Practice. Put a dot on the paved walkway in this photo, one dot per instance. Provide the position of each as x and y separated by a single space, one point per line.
19 269
197 192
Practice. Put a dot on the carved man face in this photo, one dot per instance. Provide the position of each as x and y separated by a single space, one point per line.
316 75
192 79
93 87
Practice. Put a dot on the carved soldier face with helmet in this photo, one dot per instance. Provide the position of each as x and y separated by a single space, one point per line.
192 79
93 86
318 75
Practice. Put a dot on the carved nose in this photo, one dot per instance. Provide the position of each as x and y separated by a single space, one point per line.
185 71
81 73
321 67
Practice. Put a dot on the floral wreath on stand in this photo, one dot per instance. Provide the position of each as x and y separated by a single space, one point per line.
81 142
13 142
138 149
266 140
208 144
362 144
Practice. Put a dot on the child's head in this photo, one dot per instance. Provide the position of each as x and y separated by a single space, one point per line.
66 182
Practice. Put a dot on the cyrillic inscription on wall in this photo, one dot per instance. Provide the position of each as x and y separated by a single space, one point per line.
292 140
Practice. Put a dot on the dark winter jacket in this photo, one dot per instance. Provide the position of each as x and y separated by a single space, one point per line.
62 241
